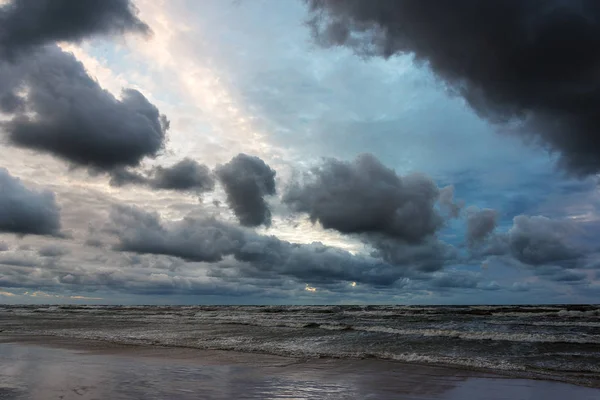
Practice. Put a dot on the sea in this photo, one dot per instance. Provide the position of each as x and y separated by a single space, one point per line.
558 342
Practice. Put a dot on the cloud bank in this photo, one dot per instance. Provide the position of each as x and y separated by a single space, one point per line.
533 62
242 252
417 238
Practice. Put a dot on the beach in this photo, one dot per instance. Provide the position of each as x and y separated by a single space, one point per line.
41 368
299 352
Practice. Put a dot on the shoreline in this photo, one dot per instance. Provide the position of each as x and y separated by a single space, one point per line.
104 347
214 357
381 378
218 356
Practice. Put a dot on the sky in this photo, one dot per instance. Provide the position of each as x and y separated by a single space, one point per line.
299 152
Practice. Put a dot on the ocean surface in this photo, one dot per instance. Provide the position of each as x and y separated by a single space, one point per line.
547 342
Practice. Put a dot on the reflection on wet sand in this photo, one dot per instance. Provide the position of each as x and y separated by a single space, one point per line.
29 371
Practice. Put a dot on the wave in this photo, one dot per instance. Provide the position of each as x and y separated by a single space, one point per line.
579 314
275 323
482 335
473 362
336 311
579 338
294 349
582 324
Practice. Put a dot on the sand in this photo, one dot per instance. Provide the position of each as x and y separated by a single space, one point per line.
42 368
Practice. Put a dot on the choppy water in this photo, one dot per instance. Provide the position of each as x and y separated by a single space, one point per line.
553 342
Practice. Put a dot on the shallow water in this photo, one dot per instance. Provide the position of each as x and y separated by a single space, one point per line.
549 342
32 372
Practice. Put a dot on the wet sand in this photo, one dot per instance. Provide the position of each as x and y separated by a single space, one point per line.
42 368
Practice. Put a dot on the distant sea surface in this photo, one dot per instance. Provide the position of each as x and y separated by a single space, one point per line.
548 342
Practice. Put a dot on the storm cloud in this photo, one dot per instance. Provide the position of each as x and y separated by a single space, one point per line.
28 23
540 240
537 241
69 115
396 215
26 211
242 252
429 255
447 280
365 197
388 235
54 105
11 103
529 61
185 175
247 180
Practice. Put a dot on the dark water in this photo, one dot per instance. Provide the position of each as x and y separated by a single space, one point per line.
552 342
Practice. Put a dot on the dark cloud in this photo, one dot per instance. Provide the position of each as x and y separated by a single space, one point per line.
480 224
68 280
428 255
75 119
186 175
11 103
52 251
169 285
247 180
396 215
539 240
11 76
242 252
28 23
531 61
544 243
4 246
567 276
54 105
26 211
365 197
195 240
455 280
121 177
